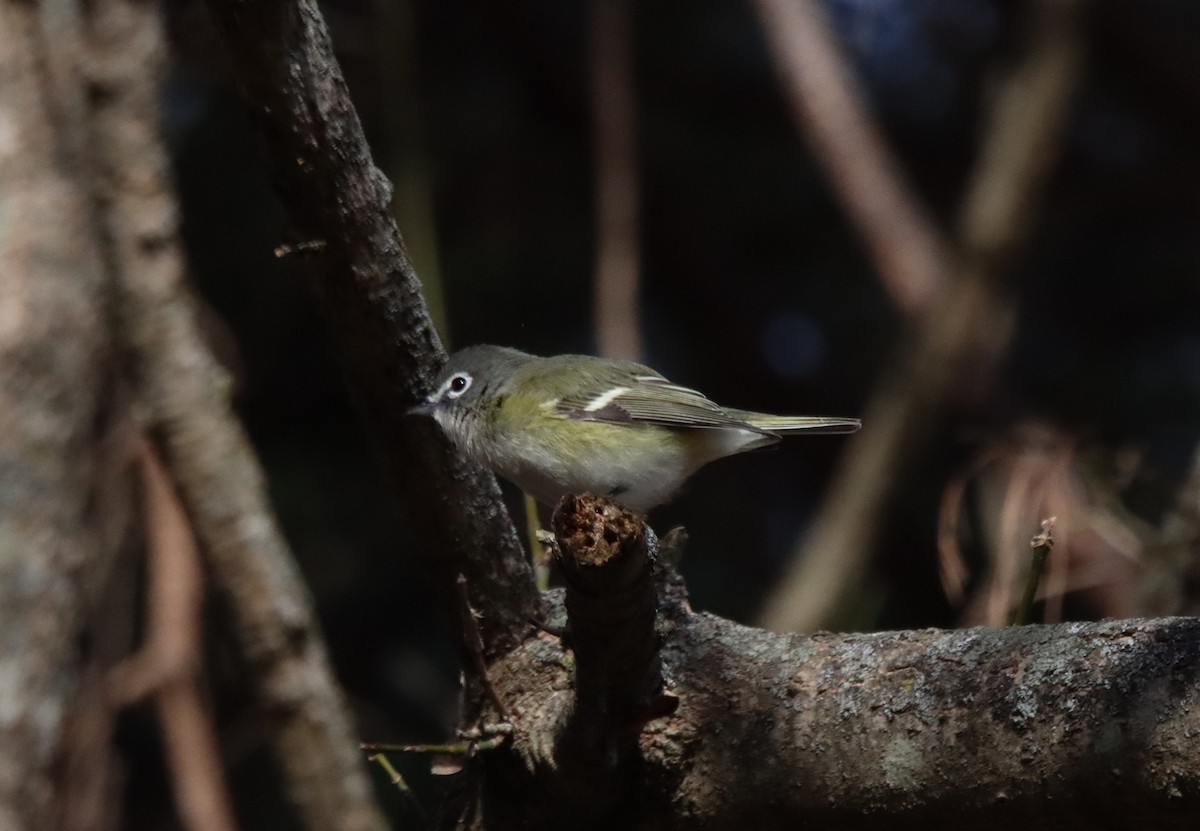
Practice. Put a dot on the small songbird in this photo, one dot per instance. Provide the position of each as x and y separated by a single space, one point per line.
580 424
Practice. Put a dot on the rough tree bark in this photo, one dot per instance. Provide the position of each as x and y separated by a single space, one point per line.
88 246
338 200
1052 726
184 396
53 396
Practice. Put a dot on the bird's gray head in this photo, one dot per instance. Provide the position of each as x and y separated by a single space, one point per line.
473 380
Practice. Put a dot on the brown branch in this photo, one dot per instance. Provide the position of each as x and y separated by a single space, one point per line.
604 552
56 366
969 319
167 666
284 62
185 394
1042 543
910 254
1038 727
616 307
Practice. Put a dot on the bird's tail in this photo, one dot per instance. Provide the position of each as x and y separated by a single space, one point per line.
782 425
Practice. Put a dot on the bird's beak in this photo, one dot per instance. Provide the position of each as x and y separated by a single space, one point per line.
423 409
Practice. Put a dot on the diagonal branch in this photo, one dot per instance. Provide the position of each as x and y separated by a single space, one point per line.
912 257
968 320
284 62
185 395
167 666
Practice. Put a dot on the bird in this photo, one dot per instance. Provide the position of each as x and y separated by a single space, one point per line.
574 424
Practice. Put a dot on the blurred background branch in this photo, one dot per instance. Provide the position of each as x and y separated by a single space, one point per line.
167 666
184 395
969 323
402 146
56 362
614 130
826 101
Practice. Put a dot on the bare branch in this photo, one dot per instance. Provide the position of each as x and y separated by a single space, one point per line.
186 395
56 366
284 62
167 665
969 319
1038 727
614 137
912 257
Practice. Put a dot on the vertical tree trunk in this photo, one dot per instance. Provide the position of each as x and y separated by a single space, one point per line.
54 369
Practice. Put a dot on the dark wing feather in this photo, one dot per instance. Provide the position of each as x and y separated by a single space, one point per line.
651 399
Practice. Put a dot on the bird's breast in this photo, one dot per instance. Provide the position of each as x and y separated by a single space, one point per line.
640 465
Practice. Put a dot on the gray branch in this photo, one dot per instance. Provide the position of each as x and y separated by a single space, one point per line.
56 402
184 393
336 197
1053 726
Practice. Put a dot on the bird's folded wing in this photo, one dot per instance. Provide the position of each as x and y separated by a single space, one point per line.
650 399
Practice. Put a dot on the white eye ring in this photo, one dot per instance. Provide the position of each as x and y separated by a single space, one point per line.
459 383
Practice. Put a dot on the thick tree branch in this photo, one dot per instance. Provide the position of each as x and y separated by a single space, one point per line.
185 394
56 364
606 554
284 62
1059 727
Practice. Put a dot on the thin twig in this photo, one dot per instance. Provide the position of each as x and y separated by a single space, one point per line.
392 773
395 777
618 333
167 665
466 748
1041 543
313 246
538 552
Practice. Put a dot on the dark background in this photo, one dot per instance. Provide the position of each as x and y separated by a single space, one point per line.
755 288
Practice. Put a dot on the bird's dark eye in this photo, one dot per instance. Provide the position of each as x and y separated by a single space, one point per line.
458 385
